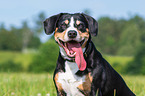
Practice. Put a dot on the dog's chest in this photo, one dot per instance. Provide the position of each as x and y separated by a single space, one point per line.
69 81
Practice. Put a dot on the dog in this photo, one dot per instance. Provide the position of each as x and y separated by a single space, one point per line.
81 70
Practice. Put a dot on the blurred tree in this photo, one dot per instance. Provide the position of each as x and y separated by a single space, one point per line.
34 42
38 28
108 35
120 37
129 40
131 36
8 41
26 35
18 39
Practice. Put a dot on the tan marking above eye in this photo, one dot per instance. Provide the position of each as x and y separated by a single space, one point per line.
78 22
66 21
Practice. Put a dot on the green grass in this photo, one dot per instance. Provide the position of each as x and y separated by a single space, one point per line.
24 84
136 84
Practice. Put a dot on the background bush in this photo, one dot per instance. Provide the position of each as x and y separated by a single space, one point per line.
137 65
46 58
10 66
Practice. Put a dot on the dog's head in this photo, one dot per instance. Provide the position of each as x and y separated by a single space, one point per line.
72 32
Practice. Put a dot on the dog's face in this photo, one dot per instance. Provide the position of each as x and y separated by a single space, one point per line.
72 32
71 28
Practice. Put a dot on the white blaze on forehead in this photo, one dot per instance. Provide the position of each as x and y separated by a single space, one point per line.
72 22
71 27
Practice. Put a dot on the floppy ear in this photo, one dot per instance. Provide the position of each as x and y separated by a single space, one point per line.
92 24
50 23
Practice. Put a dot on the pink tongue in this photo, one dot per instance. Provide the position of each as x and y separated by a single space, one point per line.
79 58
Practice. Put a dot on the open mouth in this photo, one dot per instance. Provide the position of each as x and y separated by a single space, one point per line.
73 49
70 45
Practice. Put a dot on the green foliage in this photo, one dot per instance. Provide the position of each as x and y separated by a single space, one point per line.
130 39
45 60
120 36
8 41
34 42
17 39
28 37
108 35
10 66
137 65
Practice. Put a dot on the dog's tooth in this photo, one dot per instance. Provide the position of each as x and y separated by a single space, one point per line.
71 52
74 53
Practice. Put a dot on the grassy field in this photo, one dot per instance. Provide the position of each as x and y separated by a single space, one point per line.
27 84
24 84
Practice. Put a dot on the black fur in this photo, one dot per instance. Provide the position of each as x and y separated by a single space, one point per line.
54 21
50 23
106 80
92 23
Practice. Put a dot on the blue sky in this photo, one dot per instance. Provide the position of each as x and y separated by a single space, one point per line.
13 12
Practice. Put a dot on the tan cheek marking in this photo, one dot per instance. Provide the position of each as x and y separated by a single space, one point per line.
84 44
59 35
59 85
84 35
86 86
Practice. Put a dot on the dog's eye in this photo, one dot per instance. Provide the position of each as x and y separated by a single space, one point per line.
81 27
62 27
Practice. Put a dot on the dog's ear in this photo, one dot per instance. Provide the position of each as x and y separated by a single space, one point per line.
92 24
50 23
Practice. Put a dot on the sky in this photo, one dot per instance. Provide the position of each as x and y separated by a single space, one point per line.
13 12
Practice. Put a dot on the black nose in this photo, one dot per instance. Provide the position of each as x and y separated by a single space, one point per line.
72 34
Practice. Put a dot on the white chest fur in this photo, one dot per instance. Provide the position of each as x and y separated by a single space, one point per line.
69 80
